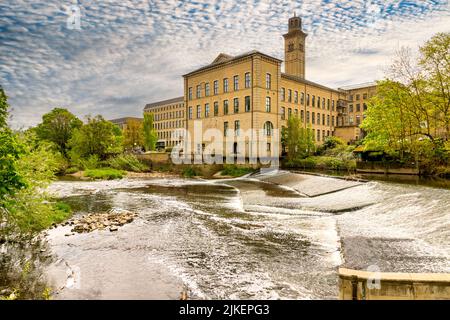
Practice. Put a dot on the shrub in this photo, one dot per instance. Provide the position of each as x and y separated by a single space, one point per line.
72 170
236 171
92 162
127 162
189 172
104 174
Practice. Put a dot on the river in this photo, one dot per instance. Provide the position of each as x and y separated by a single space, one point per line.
276 235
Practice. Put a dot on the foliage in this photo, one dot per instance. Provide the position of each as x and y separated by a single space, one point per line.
104 174
150 135
10 152
91 162
133 134
57 126
190 172
331 142
97 137
235 171
127 162
409 118
298 140
323 163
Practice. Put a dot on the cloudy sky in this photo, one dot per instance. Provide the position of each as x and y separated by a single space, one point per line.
128 53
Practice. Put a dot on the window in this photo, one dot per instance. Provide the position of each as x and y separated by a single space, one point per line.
199 88
318 102
318 135
289 113
268 147
283 94
307 116
225 107
313 101
323 103
236 83
268 81
216 108
236 105
328 120
313 118
358 120
350 108
350 120
296 113
351 97
295 96
199 112
328 104
302 115
206 110
190 93
190 112
225 85
323 119
216 87
358 107
323 135
364 106
207 89
357 97
332 121
268 104
302 99
318 118
237 127
307 100
365 96
332 105
247 80
268 128
290 95
328 133
247 104
283 115
225 128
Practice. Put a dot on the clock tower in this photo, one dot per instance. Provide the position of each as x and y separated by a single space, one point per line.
294 48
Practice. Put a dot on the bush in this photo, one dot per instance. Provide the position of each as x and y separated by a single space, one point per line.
127 162
72 170
104 174
92 162
189 172
236 171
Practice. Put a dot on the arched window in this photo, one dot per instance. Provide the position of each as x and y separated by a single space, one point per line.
268 128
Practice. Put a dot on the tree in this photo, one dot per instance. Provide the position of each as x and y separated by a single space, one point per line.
97 137
133 134
150 135
298 139
57 126
10 151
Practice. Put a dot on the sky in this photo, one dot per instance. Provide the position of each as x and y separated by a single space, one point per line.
127 53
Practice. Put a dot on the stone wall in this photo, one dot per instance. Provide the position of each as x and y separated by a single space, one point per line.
362 285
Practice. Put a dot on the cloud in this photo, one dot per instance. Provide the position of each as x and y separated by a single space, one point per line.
130 53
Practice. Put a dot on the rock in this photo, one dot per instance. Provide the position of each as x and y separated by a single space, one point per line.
113 228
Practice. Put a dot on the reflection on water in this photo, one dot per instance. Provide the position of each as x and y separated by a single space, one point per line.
245 238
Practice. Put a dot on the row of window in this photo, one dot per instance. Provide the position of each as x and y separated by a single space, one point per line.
358 107
358 97
310 100
169 115
169 125
268 128
205 90
320 119
215 111
167 108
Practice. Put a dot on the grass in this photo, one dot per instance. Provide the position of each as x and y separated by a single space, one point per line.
104 174
127 162
236 171
189 172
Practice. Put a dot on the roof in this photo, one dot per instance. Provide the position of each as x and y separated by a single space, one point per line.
302 80
223 58
125 119
359 86
164 102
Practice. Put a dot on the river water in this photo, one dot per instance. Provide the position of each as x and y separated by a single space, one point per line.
266 236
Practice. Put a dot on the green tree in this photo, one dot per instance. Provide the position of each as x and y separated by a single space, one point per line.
150 136
298 140
133 134
57 126
97 137
10 152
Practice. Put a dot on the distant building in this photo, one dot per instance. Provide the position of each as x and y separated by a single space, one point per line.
249 91
122 122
